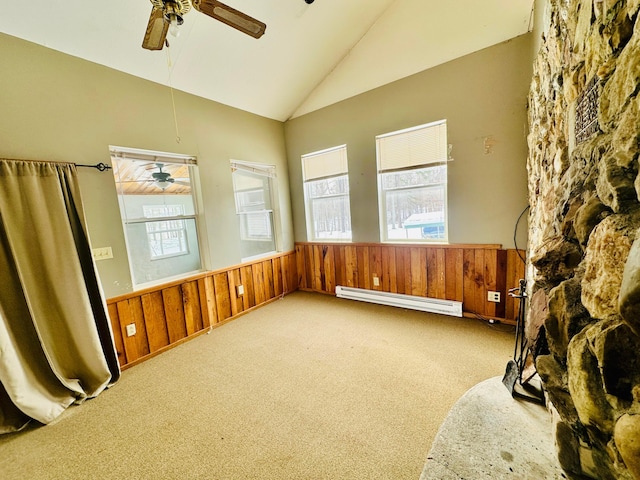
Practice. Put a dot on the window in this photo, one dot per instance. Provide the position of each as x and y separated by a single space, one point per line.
326 194
167 237
159 215
253 186
412 183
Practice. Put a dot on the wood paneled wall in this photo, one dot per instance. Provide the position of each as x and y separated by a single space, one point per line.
167 315
453 272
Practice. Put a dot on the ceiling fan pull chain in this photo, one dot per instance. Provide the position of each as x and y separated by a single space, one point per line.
173 102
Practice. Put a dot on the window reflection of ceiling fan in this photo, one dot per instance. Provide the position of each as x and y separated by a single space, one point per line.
167 14
164 179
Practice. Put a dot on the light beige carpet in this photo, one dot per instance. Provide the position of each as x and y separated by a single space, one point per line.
307 387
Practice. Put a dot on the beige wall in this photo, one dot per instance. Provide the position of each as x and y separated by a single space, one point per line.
480 95
57 107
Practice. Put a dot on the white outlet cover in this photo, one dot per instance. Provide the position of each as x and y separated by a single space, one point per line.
131 330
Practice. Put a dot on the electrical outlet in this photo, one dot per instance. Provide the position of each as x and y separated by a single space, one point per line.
131 330
493 297
240 290
376 281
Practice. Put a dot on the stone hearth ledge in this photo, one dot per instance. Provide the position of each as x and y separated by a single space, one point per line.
489 434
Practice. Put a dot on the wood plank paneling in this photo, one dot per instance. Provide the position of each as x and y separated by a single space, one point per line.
142 342
277 277
267 275
328 261
192 308
207 301
174 313
400 270
453 265
501 282
168 314
432 273
351 265
375 266
289 267
223 296
468 282
126 318
236 301
300 263
249 297
154 317
418 271
455 272
514 272
340 265
258 283
308 266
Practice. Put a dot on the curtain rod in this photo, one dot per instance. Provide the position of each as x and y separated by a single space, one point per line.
100 166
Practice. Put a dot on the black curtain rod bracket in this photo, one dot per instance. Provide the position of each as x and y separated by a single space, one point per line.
100 166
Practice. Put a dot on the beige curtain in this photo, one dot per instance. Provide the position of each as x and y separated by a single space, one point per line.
56 344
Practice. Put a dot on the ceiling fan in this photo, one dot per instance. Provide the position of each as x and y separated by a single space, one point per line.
167 14
164 179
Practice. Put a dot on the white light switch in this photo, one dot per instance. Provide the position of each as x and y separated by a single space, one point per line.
102 253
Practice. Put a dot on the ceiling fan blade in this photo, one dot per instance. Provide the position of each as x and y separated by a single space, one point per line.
156 32
231 16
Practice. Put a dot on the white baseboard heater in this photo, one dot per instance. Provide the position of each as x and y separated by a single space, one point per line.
433 305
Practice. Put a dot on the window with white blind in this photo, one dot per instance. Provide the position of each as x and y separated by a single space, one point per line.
326 194
156 193
412 183
253 189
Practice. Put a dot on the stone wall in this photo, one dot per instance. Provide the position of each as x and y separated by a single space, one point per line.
584 244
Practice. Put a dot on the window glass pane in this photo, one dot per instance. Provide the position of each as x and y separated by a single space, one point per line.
157 250
328 203
252 189
416 213
422 176
329 186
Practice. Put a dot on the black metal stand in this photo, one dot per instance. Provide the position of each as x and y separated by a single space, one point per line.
520 384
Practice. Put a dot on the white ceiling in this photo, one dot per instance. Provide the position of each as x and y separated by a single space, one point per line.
311 56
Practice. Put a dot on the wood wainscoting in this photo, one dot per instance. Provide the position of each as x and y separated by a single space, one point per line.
167 315
465 273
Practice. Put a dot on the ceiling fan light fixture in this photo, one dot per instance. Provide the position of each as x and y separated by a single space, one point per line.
162 184
174 22
166 16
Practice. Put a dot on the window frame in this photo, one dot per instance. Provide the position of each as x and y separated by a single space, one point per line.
433 160
133 154
339 171
270 214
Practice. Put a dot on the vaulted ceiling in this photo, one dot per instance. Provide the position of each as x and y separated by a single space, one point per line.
311 56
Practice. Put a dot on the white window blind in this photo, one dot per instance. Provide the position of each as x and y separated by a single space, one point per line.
257 168
412 147
325 163
127 153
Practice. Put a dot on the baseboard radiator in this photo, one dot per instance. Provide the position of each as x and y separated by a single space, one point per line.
413 302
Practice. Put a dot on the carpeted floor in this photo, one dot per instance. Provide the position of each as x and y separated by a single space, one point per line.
307 387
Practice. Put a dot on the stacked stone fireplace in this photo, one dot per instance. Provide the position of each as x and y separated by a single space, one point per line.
584 240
